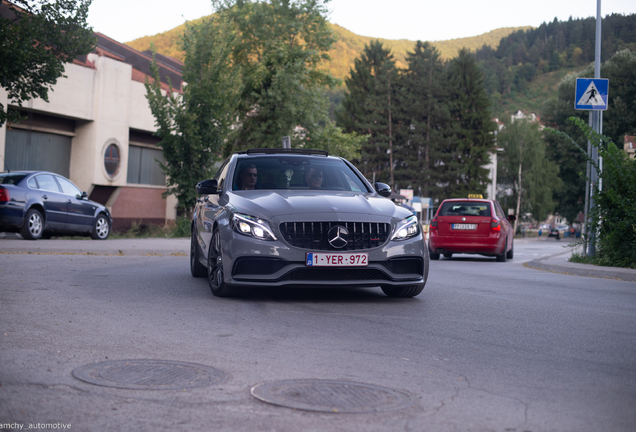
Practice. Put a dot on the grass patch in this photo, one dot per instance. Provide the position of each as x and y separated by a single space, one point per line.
595 260
181 228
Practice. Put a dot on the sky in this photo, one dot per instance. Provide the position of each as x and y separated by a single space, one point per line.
388 19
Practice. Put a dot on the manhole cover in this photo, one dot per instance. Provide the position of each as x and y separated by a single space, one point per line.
149 374
331 396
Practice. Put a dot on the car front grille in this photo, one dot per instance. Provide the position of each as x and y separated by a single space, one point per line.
313 235
334 275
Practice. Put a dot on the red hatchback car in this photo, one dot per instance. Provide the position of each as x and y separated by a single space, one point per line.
471 226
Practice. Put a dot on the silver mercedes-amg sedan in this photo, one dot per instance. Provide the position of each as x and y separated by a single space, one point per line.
302 218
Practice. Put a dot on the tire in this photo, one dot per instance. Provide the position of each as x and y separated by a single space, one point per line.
101 228
196 268
448 255
433 256
403 292
502 257
33 226
511 252
215 270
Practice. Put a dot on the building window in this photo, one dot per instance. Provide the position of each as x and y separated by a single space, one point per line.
143 166
111 160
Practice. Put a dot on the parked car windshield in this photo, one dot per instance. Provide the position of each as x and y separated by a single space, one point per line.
296 172
465 208
9 178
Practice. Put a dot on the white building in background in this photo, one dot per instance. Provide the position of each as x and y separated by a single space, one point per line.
97 130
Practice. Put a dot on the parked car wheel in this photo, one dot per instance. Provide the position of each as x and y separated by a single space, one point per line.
511 252
448 255
403 292
33 226
101 228
216 278
196 268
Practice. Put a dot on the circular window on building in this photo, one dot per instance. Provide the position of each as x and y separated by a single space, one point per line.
111 160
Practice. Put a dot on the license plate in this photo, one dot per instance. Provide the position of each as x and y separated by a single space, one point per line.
464 226
337 259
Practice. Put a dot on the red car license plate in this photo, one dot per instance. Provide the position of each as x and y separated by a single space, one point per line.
336 259
464 226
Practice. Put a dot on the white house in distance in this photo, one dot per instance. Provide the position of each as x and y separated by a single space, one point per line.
97 130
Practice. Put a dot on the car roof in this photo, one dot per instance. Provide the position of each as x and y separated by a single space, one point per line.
296 151
468 199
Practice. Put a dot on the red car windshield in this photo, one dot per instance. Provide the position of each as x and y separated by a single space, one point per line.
465 208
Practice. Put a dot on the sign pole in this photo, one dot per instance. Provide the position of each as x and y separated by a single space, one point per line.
596 115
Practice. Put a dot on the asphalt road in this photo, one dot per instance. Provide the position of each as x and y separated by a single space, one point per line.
486 347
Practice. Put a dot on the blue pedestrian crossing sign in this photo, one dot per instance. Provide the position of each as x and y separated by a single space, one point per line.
591 94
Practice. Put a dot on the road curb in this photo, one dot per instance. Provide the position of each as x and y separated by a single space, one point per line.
586 270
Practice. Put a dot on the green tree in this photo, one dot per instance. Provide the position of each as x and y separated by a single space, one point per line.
524 168
424 120
279 47
36 38
468 149
368 107
193 125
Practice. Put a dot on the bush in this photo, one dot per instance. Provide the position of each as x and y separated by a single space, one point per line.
614 216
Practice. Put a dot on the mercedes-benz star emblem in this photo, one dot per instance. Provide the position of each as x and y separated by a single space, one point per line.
338 236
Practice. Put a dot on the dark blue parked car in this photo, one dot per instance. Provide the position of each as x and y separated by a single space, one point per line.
38 204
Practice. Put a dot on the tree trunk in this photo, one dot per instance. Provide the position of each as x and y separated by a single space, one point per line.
519 189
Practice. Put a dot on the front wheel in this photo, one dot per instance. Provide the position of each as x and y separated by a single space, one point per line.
403 292
196 268
101 229
33 225
216 278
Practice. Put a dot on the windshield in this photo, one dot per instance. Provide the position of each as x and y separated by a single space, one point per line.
9 178
465 208
295 172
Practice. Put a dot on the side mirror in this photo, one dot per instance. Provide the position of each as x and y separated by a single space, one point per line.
207 187
83 196
512 218
383 189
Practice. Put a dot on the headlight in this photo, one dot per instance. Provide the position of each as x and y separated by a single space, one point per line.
406 229
252 226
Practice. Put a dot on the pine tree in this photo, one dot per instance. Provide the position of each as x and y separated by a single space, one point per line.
423 121
468 149
368 109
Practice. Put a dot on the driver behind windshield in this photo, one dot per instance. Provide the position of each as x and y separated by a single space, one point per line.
313 177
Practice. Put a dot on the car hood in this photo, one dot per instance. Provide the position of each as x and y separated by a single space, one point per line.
316 205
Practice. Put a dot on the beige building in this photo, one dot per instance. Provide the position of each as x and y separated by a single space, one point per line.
97 130
630 146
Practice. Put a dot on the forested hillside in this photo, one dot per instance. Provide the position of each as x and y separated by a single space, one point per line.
527 65
348 47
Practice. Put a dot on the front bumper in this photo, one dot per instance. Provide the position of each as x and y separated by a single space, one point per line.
250 262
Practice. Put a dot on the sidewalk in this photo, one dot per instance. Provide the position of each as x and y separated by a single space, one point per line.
11 243
560 263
